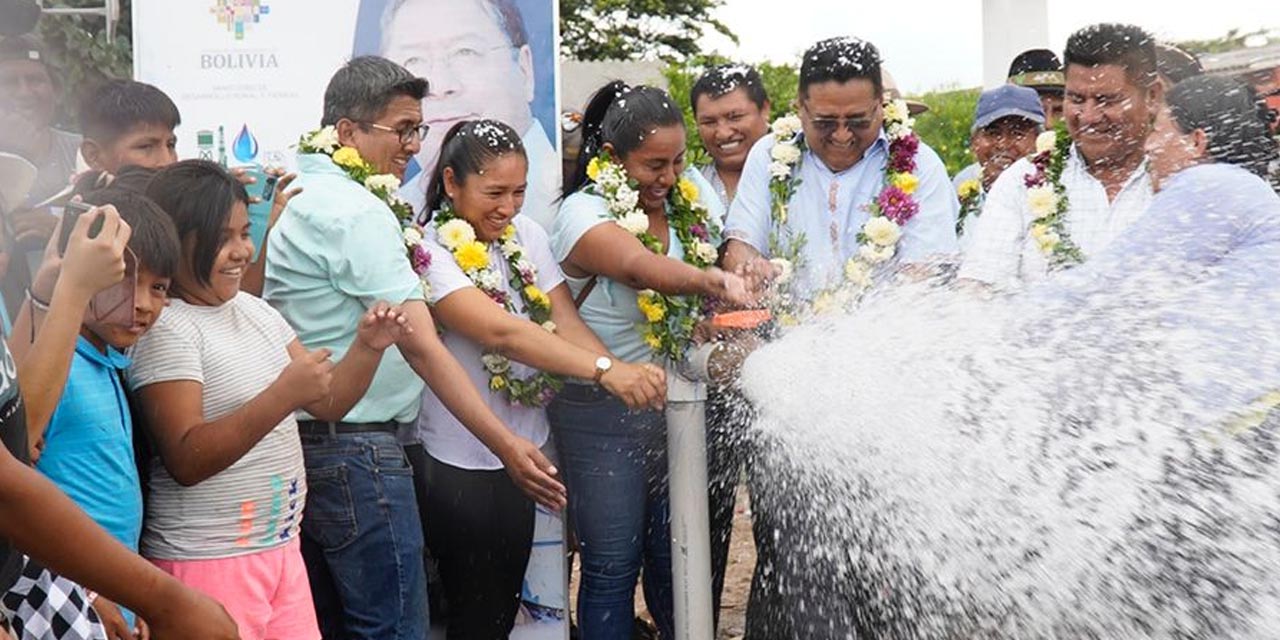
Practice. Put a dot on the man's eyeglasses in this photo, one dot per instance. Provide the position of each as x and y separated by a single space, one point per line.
407 135
828 126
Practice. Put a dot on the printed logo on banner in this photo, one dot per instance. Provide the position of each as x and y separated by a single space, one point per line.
237 15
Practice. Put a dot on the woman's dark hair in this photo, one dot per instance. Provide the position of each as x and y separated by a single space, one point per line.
198 195
154 240
621 116
467 148
1232 117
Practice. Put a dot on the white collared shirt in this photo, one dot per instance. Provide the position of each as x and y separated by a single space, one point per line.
1004 254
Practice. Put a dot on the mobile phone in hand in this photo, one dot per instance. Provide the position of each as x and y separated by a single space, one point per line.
114 305
70 215
262 196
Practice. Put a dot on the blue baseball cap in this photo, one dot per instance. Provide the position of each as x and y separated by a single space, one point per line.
1007 100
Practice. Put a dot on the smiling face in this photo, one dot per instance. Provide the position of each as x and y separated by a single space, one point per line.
1169 150
1107 114
491 198
1003 142
656 164
235 249
729 125
473 69
380 146
841 120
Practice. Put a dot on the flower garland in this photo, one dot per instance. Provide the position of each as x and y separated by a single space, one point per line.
472 256
671 319
892 207
970 194
1047 199
382 185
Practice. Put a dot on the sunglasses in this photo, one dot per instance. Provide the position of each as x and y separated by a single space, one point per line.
828 126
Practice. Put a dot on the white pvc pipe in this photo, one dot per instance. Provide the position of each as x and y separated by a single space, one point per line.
690 521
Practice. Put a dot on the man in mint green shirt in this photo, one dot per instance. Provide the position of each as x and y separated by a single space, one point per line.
336 251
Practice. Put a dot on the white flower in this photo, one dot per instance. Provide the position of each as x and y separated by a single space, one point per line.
785 270
612 178
705 251
898 130
510 248
896 111
523 265
857 272
412 236
1042 200
489 280
495 363
549 326
624 200
384 181
786 127
426 288
634 223
779 170
882 231
455 233
875 255
785 152
1046 141
325 139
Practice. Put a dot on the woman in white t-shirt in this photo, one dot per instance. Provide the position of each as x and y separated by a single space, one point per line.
219 378
510 321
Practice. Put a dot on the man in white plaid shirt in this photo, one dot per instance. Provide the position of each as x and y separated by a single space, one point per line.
1112 95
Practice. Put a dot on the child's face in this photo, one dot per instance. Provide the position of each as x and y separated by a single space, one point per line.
229 265
153 146
149 299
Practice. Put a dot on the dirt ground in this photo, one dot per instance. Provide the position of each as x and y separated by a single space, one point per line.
737 583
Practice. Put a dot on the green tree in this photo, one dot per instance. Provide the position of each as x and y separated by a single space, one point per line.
945 127
79 52
1233 40
630 29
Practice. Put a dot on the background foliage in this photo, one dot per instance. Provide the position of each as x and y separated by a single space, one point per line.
77 48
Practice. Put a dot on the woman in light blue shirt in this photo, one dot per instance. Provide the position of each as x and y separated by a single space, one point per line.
615 460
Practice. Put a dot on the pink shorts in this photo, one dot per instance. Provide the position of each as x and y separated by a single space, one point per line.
267 592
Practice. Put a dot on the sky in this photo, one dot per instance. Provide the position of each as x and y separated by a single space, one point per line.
932 44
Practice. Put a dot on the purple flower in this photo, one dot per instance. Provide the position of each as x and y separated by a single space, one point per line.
527 276
499 297
699 232
421 260
896 205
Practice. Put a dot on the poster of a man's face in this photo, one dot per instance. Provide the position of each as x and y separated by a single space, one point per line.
483 59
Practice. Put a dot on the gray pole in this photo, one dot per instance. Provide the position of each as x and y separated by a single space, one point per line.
690 522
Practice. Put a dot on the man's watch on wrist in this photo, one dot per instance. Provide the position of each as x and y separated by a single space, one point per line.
603 365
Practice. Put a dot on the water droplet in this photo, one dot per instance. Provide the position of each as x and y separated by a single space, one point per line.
245 146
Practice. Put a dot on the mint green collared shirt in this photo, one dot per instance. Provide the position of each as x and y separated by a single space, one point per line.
336 251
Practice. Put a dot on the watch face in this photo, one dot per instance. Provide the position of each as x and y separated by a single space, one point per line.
603 363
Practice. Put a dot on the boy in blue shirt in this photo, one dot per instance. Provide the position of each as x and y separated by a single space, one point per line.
88 443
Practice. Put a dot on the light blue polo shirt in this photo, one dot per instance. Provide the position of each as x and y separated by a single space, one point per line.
88 450
610 309
336 251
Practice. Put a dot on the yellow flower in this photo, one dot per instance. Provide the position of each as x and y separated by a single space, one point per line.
857 273
347 157
652 308
688 190
455 233
472 256
968 189
907 182
509 232
1046 141
497 383
536 297
653 340
593 169
824 303
1045 237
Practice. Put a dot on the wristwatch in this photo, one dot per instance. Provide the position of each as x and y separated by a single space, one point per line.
603 365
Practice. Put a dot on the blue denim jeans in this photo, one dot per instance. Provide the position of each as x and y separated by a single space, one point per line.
615 466
362 538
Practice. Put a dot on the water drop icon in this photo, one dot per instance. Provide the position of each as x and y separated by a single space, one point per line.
245 146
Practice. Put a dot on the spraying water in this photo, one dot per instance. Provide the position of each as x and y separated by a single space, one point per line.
1089 459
